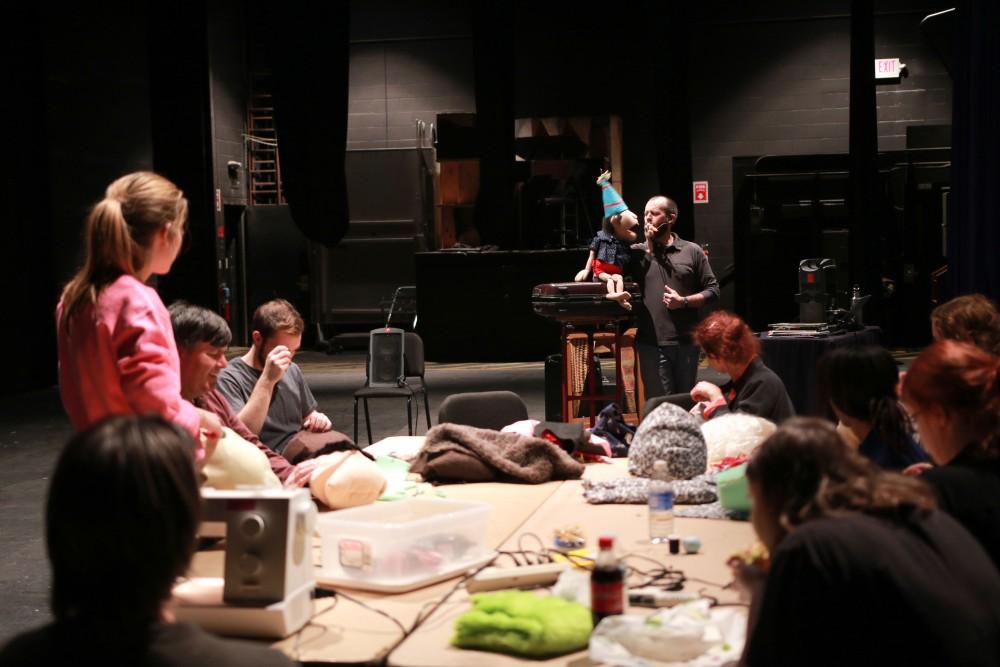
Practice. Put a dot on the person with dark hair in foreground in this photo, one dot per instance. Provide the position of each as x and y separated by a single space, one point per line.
731 348
864 570
121 517
953 392
860 384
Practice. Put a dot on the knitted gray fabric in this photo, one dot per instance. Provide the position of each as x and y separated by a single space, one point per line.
635 490
708 511
669 433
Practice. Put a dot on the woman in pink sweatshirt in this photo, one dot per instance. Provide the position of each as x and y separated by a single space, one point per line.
116 347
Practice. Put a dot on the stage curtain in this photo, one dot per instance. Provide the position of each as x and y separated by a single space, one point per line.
493 47
312 57
974 227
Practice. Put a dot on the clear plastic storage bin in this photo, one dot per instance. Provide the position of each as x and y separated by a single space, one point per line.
401 545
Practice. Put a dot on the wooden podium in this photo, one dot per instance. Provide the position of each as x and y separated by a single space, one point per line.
579 378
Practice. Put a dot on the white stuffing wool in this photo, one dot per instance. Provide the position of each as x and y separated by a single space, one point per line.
734 435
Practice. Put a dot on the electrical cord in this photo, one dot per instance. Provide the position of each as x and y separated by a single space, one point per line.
360 603
422 614
661 575
297 647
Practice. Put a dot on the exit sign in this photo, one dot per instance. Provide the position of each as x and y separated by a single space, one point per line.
888 68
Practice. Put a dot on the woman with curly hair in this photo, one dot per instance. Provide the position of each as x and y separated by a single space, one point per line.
864 570
732 348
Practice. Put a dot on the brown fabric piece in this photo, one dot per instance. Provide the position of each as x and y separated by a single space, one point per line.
456 453
308 445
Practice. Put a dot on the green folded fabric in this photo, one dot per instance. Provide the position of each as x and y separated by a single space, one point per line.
522 623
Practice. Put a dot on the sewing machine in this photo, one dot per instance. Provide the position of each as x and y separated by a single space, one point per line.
266 590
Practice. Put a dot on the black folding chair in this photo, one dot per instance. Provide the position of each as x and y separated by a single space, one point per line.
394 356
483 409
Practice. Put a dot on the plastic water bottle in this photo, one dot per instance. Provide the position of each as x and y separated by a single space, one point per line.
661 505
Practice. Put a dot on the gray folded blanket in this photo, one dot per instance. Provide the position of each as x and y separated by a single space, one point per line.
635 490
457 453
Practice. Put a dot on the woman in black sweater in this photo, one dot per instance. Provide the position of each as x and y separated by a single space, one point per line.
863 569
952 391
732 348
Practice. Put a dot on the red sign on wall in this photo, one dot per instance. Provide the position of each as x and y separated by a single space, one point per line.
701 192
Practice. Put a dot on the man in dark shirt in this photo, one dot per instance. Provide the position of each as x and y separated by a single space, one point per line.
676 281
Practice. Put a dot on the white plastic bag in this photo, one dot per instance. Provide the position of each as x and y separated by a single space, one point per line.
690 634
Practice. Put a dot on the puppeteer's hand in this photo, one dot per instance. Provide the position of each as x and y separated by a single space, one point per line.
582 275
211 431
301 474
317 422
706 391
671 299
278 361
917 469
748 578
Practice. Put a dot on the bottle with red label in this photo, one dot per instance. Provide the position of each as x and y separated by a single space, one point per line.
607 582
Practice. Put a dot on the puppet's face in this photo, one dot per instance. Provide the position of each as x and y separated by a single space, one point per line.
624 225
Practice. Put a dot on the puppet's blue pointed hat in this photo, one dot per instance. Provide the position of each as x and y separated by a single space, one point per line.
613 202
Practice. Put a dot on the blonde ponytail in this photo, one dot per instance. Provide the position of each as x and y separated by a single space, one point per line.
119 231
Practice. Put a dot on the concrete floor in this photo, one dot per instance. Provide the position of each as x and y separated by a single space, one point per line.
33 429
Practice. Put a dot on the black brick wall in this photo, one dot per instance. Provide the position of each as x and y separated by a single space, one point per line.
779 84
407 63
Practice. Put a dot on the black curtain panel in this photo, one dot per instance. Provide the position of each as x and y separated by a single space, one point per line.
493 47
974 228
180 121
311 65
866 233
666 49
26 262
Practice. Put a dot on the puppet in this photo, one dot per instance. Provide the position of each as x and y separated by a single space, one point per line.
609 250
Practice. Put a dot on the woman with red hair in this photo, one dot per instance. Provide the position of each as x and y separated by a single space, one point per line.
952 392
733 349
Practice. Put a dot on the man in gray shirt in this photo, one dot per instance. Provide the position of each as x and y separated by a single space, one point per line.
676 281
269 393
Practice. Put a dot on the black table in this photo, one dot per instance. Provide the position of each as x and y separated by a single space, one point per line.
794 361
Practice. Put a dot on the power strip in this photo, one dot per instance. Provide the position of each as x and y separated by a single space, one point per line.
495 578
655 597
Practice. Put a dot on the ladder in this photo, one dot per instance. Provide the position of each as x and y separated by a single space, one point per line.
262 143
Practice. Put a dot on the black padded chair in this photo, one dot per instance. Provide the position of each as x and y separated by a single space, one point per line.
383 364
483 409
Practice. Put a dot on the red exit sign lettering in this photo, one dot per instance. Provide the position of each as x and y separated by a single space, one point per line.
888 68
